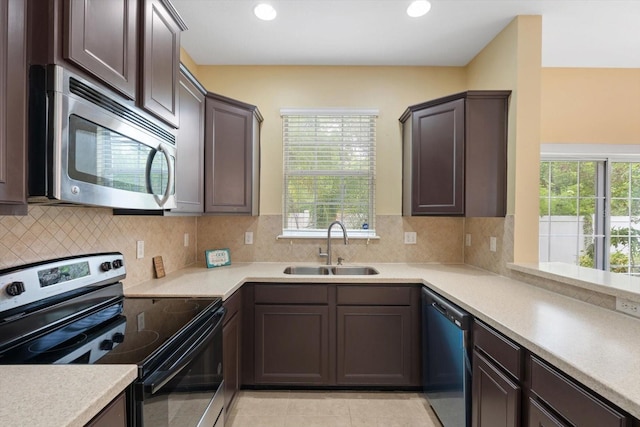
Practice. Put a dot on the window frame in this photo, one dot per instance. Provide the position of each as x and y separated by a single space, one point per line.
353 233
604 155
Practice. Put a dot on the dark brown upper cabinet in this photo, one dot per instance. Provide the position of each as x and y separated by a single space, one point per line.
190 142
13 107
131 46
102 38
232 156
455 155
161 60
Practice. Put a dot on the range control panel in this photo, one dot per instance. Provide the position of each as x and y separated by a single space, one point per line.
34 282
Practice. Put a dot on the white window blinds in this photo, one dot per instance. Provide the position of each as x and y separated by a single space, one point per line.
329 171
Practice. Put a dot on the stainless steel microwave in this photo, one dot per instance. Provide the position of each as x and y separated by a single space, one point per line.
88 146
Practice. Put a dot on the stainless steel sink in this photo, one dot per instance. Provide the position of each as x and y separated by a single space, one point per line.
340 270
308 270
353 270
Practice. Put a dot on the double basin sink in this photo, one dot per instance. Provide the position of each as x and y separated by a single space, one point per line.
328 270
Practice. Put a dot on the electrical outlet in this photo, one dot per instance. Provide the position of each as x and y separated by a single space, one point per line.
628 306
467 239
140 249
248 238
410 238
492 244
141 324
186 240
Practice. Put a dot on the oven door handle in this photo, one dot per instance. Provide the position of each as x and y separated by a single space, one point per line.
161 378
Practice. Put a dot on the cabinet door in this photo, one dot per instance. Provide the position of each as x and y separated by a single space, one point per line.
438 159
486 153
160 62
101 37
231 359
13 104
114 415
190 154
374 345
496 399
292 344
228 158
540 417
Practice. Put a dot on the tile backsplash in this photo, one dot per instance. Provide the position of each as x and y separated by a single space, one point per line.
439 239
53 231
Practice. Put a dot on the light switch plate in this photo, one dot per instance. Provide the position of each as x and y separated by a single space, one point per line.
248 238
186 240
140 249
467 239
492 244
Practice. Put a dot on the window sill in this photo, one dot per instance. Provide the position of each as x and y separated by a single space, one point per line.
323 236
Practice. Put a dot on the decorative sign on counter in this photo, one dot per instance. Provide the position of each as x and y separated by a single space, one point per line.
218 257
158 266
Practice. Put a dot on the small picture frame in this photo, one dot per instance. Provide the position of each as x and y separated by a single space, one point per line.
217 257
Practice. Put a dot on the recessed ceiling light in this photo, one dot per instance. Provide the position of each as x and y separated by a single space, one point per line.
265 11
418 8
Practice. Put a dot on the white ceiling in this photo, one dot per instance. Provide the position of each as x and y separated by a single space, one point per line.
575 33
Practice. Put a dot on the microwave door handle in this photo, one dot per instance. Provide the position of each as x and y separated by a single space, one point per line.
161 200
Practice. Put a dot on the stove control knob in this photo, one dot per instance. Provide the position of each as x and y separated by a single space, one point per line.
117 263
14 289
105 266
106 345
118 337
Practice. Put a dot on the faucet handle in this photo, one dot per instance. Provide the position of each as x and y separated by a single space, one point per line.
340 259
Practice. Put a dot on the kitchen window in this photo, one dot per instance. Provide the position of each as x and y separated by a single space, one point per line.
329 171
590 207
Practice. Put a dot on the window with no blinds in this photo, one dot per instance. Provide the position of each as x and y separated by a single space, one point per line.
329 171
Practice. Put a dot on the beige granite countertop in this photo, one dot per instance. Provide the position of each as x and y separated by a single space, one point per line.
596 346
59 395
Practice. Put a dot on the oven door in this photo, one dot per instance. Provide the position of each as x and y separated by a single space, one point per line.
186 389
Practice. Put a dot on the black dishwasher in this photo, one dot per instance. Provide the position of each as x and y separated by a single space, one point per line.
446 365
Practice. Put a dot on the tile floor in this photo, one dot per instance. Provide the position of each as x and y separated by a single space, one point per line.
330 409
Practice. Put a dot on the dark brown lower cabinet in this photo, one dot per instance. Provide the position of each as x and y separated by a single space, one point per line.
570 401
374 345
113 415
496 398
513 387
231 347
540 417
292 344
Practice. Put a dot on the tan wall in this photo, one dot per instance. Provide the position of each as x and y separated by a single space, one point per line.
513 61
186 59
389 89
593 105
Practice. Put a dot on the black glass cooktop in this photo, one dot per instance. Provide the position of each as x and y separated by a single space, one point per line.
151 322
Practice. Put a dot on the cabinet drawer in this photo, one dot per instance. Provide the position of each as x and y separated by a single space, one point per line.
233 305
570 400
374 295
291 294
503 351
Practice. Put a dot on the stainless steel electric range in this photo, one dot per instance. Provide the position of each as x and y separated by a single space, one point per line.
73 310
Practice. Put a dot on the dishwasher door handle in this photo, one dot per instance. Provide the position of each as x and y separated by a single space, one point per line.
440 308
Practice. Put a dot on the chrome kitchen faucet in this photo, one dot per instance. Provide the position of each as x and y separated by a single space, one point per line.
345 238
